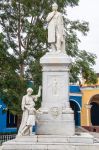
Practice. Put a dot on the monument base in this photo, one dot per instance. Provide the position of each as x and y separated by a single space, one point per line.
56 118
83 141
50 124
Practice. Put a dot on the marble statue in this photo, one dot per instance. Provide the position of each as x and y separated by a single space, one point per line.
56 33
55 125
28 117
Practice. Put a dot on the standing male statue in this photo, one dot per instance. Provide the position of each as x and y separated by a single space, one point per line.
56 33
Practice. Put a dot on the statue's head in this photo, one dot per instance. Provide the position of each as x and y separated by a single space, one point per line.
54 7
29 91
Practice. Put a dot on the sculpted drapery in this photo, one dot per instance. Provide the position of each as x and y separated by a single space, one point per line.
56 33
28 101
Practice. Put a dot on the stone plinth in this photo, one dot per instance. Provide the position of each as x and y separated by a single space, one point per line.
84 141
57 116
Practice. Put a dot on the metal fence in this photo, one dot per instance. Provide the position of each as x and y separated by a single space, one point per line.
4 138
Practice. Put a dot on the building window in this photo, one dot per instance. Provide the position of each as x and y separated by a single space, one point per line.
11 120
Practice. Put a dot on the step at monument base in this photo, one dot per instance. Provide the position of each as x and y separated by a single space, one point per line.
84 141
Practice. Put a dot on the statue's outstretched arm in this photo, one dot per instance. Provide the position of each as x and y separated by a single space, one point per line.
39 94
23 103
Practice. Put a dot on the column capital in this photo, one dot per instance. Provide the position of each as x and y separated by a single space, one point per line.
88 106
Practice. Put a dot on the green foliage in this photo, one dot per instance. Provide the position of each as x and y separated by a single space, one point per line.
11 85
83 61
82 64
23 42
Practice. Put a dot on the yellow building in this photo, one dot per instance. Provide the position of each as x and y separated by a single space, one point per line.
90 105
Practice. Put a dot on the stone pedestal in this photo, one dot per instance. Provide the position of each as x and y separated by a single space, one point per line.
56 115
84 141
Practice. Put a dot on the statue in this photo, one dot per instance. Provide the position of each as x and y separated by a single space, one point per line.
29 112
56 33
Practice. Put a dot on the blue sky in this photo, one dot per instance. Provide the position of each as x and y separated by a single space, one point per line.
88 10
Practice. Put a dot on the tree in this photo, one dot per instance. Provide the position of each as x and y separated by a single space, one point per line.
24 34
10 84
83 61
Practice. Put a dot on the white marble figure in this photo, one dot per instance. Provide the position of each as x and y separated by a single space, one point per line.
56 33
28 117
55 87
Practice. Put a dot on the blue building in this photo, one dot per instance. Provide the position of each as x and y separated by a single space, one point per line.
8 122
75 98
